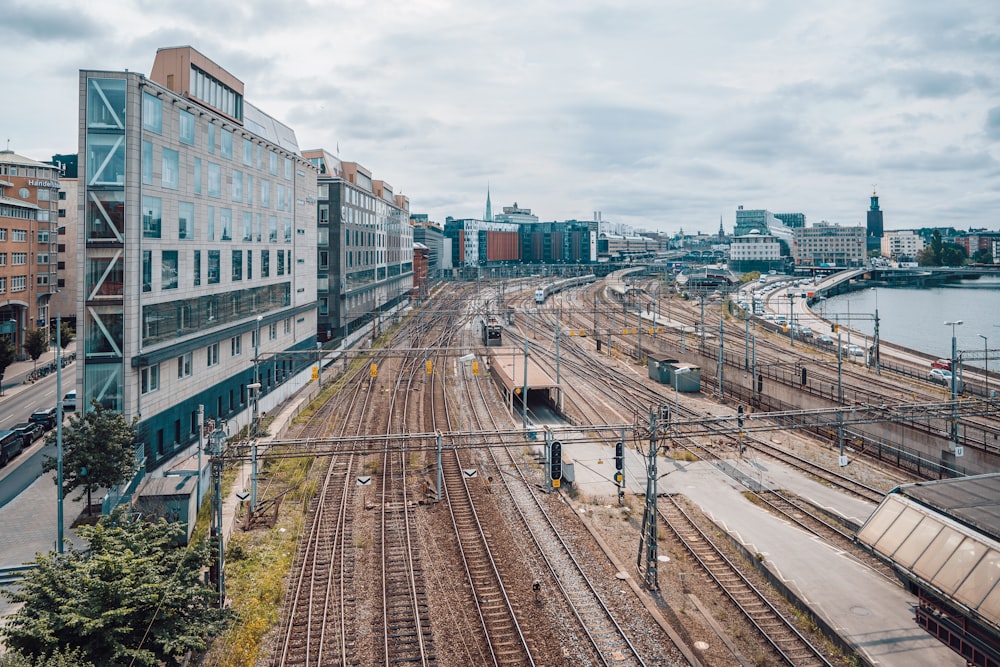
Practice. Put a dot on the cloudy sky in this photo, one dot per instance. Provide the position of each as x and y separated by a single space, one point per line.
660 114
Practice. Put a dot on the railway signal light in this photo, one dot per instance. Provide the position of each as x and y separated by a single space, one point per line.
619 455
739 417
429 367
475 368
373 370
555 460
833 328
619 478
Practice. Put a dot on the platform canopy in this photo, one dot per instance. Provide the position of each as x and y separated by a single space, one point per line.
507 364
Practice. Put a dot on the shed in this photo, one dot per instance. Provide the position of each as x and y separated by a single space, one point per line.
664 370
171 498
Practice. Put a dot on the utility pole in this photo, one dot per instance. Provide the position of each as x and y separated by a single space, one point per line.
218 438
59 440
721 362
648 538
842 461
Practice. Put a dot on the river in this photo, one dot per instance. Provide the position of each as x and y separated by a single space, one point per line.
915 317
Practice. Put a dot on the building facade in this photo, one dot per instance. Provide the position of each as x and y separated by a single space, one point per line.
755 252
195 249
364 246
29 204
431 237
569 242
902 245
514 214
65 297
481 243
828 244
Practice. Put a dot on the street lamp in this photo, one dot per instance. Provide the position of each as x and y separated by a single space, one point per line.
954 381
986 364
255 388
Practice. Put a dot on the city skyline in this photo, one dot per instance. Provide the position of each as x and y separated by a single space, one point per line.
660 116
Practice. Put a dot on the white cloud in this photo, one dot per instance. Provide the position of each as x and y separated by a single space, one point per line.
662 114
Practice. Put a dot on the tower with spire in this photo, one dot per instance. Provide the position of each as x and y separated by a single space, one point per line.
722 232
489 206
874 229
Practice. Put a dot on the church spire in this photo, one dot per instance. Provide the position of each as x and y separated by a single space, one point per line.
489 206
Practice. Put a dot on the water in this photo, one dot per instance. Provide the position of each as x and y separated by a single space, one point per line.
915 317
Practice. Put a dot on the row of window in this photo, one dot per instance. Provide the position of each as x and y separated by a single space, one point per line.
219 220
150 375
17 283
17 235
21 258
170 268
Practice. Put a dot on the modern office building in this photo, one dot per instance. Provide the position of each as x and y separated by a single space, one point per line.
792 220
66 294
874 229
755 252
364 248
481 243
29 203
568 242
196 248
514 214
827 244
902 245
432 237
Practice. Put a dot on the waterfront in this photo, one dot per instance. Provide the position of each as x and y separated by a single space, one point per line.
915 317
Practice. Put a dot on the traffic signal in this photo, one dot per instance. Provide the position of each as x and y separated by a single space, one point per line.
833 327
619 455
429 366
555 460
784 327
739 417
475 368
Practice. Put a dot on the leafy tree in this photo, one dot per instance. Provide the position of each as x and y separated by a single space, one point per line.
36 342
133 597
8 355
98 450
59 658
952 254
983 256
66 335
926 257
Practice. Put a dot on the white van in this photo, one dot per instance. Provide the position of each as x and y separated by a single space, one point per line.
69 401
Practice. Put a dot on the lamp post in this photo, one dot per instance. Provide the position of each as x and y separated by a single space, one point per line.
954 383
986 365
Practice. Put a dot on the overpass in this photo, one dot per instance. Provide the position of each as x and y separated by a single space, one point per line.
850 280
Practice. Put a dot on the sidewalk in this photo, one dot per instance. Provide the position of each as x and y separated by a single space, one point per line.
14 378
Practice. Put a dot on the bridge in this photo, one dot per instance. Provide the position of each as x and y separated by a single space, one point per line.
850 280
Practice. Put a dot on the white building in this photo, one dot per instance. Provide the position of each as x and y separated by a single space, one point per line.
906 243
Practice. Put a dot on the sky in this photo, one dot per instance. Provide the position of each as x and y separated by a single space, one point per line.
663 115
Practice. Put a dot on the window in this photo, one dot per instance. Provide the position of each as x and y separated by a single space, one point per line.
150 378
18 283
265 193
211 223
324 259
213 354
184 365
186 127
273 163
20 236
147 163
287 225
281 263
265 263
237 185
249 189
197 268
213 266
272 331
3 284
3 259
185 220
247 226
43 236
214 180
171 175
247 152
324 213
19 258
197 175
226 222
152 113
237 265
288 325
168 269
151 217
272 228
211 137
288 168
249 264
42 279
227 143
236 345
42 258
147 270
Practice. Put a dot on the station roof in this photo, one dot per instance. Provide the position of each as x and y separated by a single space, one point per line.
507 363
945 536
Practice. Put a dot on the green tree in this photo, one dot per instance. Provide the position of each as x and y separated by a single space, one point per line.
36 342
8 355
132 597
59 658
983 256
99 450
952 254
66 335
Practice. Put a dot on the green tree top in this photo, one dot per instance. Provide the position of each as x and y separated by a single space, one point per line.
130 598
36 342
8 355
98 450
66 335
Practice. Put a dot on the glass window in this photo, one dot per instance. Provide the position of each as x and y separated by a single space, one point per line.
168 269
272 228
265 263
150 378
247 226
250 189
214 180
147 270
247 152
236 346
281 263
211 137
249 264
288 168
237 265
151 217
147 163
197 175
226 222
185 220
171 174
186 129
197 268
184 365
152 113
287 223
237 185
227 143
213 354
214 261
273 163
265 193
211 223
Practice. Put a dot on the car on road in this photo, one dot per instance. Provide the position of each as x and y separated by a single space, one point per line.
11 444
854 351
943 364
69 401
30 431
46 417
826 340
940 376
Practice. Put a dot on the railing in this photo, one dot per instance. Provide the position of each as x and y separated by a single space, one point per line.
12 575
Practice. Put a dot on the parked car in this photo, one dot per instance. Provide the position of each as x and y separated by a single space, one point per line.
30 431
11 444
46 417
69 401
943 364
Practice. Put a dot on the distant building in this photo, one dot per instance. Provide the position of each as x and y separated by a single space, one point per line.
482 243
515 214
755 252
197 245
66 294
764 222
829 244
902 245
793 220
431 237
613 247
29 205
420 262
364 246
874 230
569 242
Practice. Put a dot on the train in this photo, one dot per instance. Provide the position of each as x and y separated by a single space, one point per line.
543 292
491 331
